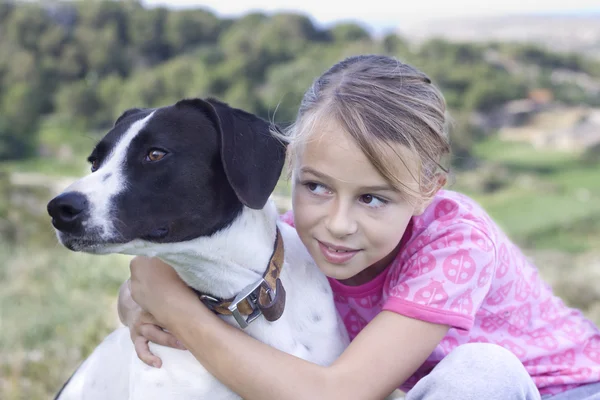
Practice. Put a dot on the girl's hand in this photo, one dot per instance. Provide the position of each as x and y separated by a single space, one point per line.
143 328
157 288
162 300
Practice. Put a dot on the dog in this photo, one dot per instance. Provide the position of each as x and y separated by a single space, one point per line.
191 183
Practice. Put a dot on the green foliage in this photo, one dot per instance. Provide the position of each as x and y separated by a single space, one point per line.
69 69
543 199
85 62
55 305
19 108
531 54
186 30
349 32
45 296
77 100
27 23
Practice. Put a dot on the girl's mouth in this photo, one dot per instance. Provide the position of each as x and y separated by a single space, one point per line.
336 254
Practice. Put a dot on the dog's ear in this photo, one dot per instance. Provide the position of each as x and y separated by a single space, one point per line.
127 113
252 157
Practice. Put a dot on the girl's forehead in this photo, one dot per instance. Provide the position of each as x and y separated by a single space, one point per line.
327 137
328 148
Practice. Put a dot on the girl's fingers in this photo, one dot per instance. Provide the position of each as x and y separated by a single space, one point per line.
143 352
156 335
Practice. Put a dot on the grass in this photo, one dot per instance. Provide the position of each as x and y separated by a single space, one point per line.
55 307
47 166
56 158
545 200
523 155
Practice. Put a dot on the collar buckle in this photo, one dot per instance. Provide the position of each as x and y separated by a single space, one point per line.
251 294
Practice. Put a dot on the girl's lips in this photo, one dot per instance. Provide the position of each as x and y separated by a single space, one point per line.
336 254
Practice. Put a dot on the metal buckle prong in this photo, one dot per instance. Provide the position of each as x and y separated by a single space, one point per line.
208 300
250 292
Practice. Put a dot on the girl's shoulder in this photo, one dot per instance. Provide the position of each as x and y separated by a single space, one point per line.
450 210
452 221
288 218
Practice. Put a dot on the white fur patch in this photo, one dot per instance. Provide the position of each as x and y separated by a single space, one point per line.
221 265
101 186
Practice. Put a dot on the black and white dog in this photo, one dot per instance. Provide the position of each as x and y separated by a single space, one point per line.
190 183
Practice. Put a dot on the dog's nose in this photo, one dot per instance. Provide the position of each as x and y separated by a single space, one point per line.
67 210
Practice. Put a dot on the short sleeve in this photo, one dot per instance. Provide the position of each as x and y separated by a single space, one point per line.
288 218
443 275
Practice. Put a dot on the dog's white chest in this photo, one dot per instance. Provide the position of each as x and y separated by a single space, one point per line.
181 377
309 329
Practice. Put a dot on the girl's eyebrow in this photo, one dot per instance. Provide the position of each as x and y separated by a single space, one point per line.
379 188
309 170
374 188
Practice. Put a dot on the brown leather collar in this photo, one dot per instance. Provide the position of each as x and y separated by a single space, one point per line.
266 296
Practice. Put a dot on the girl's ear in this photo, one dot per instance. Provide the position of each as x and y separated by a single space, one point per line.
421 207
440 182
442 179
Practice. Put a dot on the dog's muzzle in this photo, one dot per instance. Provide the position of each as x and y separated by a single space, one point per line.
68 211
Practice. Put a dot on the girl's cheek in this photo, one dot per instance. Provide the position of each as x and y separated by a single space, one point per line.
306 216
302 198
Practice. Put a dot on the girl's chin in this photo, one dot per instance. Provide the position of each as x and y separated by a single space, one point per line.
336 271
350 274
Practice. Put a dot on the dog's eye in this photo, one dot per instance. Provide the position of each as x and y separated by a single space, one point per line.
155 155
95 164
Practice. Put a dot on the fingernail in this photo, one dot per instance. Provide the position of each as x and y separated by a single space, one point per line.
156 364
180 345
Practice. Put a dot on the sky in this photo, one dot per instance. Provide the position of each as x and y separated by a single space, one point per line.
390 14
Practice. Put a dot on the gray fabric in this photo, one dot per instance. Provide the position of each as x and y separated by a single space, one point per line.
587 392
477 371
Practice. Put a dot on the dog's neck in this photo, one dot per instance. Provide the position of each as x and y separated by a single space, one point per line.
226 262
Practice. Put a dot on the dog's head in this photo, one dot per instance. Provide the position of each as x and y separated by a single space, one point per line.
169 174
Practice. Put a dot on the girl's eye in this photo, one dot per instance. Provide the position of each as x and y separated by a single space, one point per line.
372 201
316 188
155 155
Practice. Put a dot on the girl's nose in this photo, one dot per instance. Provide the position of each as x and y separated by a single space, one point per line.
340 222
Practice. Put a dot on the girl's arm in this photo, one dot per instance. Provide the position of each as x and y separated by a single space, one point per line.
381 357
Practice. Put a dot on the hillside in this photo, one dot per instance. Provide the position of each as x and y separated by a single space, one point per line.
559 32
68 69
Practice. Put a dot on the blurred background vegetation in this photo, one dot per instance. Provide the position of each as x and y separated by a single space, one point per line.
526 139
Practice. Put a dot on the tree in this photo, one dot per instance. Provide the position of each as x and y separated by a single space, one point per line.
188 29
349 32
484 95
147 32
96 15
395 45
6 9
79 104
27 23
88 61
19 115
102 50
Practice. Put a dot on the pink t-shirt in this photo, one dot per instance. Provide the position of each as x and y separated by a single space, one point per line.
457 267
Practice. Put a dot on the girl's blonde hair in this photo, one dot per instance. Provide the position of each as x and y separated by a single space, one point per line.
381 101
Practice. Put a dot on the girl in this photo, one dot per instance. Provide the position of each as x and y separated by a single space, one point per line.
436 298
